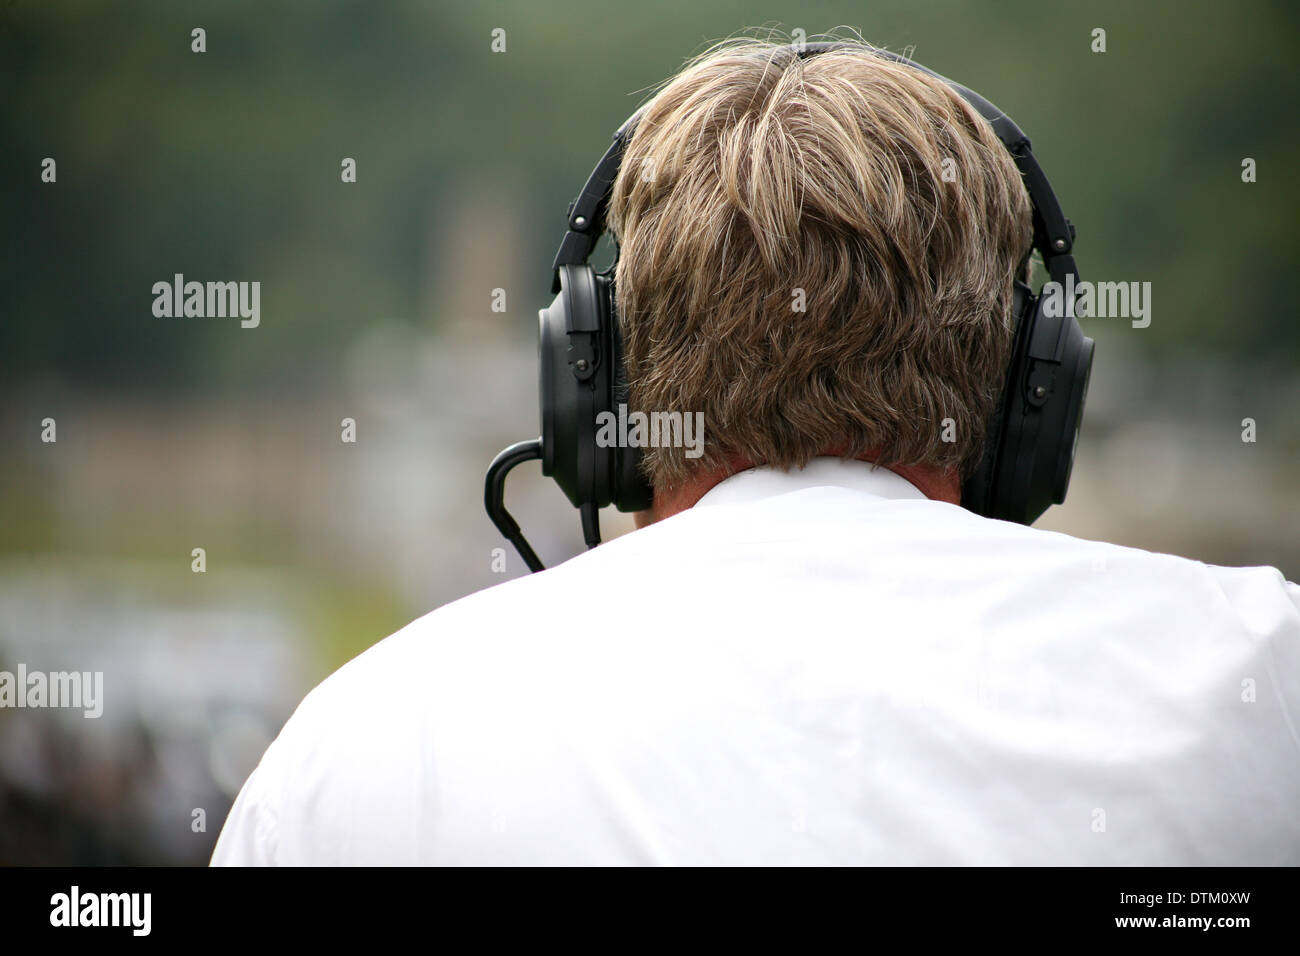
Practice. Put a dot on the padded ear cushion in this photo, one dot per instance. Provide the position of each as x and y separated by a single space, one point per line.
978 489
631 490
1082 376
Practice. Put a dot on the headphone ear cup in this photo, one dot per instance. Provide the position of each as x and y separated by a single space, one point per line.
574 375
583 384
1029 454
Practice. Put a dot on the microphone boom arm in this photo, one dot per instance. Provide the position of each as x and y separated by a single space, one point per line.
494 497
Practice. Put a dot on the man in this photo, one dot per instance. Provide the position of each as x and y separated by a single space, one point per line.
809 652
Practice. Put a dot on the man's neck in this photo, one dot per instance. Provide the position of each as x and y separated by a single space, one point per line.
938 484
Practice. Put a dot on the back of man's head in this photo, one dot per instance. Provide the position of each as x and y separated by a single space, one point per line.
817 254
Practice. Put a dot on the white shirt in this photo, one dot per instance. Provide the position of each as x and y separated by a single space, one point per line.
821 667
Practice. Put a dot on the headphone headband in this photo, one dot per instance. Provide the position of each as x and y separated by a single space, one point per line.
1053 233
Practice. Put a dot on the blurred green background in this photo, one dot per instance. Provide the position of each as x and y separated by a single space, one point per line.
376 304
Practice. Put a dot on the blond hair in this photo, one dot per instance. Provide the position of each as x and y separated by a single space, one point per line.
860 189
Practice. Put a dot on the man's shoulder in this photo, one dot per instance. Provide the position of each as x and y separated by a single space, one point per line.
1258 599
530 630
501 677
488 628
500 643
495 631
363 739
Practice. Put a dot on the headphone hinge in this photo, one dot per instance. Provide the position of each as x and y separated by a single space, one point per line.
1038 383
583 357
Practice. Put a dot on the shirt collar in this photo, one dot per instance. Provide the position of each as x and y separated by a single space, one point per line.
766 482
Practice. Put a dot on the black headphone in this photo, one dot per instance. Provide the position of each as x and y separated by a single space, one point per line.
1030 442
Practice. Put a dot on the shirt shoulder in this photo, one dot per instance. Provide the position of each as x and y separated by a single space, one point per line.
366 737
250 836
451 732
